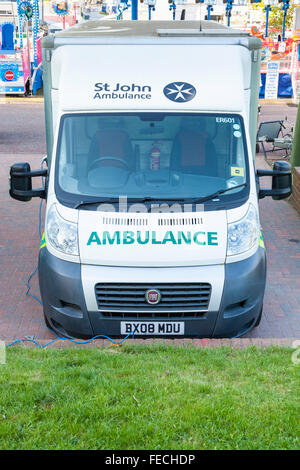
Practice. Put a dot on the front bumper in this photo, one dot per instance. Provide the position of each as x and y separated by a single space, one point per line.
66 309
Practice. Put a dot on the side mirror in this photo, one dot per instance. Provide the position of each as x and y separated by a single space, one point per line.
281 181
21 182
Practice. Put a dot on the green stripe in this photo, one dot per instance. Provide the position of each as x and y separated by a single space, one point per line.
43 241
261 241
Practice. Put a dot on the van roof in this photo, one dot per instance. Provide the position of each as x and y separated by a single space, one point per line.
151 32
124 28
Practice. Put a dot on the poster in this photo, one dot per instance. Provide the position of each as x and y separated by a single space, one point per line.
272 78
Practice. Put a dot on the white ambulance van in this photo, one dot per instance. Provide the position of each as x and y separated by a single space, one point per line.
152 220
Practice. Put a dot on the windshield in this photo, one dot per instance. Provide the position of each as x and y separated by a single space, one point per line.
153 156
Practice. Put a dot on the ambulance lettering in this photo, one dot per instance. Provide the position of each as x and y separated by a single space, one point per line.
128 237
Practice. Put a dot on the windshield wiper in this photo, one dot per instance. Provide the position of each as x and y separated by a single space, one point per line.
130 200
90 203
155 199
193 200
216 194
151 199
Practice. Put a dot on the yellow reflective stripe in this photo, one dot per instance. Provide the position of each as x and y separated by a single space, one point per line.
43 241
261 241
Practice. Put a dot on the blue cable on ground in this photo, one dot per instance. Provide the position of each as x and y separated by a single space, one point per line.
69 339
59 338
33 273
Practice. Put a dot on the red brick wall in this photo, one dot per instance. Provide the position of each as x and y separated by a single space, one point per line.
296 188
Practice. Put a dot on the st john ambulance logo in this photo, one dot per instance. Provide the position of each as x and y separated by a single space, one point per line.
180 92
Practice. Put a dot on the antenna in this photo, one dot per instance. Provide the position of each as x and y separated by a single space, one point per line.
200 19
200 1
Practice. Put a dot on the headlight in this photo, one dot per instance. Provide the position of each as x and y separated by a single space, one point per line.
61 234
243 234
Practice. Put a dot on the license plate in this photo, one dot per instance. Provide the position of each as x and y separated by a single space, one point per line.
152 328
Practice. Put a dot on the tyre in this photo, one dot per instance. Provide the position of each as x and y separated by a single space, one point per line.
47 321
259 316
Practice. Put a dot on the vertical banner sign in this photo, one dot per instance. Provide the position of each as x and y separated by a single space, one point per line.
272 78
25 64
297 21
294 69
35 29
39 50
20 25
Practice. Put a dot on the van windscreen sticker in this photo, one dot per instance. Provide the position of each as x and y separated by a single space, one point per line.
237 171
237 134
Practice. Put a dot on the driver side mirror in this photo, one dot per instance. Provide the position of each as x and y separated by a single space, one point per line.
281 181
21 182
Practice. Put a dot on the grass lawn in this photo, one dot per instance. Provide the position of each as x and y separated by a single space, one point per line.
143 397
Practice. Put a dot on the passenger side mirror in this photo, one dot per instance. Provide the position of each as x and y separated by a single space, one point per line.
21 182
281 181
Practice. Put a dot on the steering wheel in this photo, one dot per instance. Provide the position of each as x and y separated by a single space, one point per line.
105 159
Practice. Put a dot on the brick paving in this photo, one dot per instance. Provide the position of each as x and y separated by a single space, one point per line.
22 139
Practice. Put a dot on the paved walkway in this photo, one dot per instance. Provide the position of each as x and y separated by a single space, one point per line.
22 316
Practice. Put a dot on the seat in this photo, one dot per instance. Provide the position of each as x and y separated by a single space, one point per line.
267 132
193 152
113 143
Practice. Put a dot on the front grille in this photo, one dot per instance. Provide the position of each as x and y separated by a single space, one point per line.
124 221
148 315
128 300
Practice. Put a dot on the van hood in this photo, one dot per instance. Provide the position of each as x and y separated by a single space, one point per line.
157 240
